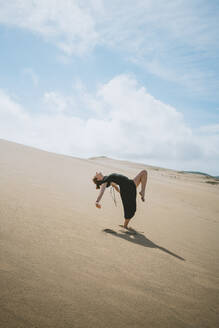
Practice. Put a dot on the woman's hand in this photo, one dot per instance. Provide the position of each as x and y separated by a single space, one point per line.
98 205
117 189
115 186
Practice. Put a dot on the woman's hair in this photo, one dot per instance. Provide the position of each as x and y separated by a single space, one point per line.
97 183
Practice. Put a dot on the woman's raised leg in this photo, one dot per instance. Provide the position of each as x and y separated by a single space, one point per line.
141 178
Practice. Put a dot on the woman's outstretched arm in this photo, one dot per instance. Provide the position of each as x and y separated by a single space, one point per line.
102 189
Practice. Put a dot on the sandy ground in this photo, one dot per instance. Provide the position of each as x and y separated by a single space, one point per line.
64 263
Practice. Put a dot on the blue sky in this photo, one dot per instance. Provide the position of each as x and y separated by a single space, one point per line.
132 80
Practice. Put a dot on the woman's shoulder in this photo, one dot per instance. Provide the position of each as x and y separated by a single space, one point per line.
109 176
106 179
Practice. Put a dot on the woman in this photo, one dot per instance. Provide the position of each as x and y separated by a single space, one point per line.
127 189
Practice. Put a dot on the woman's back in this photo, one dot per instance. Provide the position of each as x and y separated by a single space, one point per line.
119 179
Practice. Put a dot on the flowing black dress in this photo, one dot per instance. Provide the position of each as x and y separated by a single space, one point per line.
127 192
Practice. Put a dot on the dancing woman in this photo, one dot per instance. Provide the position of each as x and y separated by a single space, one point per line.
127 188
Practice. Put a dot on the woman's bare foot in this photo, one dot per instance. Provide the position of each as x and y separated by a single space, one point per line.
124 226
126 223
142 196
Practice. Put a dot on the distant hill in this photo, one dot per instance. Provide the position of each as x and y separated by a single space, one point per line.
197 172
202 173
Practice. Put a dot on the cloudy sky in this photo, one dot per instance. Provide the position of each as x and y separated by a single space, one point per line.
136 80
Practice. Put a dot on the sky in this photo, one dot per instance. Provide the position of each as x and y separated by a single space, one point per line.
133 80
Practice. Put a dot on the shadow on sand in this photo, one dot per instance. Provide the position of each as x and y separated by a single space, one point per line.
139 238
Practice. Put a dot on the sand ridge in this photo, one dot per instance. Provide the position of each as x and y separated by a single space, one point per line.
64 263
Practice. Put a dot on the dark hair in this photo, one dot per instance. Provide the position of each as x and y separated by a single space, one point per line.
97 183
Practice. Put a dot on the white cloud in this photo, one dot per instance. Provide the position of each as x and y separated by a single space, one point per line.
212 129
144 26
10 109
67 23
170 39
54 102
129 123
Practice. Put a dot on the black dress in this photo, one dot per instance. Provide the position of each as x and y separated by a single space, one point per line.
127 192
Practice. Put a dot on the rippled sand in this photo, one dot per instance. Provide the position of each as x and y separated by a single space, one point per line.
64 263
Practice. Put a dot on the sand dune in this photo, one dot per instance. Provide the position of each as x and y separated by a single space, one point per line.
64 263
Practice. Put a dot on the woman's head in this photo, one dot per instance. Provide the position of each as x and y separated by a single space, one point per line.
97 179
